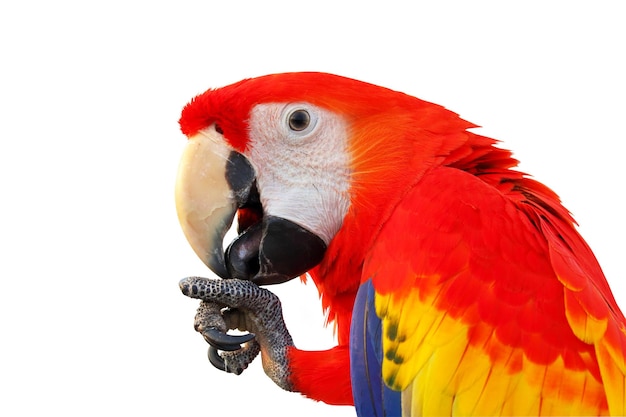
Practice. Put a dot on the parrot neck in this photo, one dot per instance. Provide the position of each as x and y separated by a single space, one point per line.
339 275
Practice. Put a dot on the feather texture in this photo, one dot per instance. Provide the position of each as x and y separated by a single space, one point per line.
486 313
372 396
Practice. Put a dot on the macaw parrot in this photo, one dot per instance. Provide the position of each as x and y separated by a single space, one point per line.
456 284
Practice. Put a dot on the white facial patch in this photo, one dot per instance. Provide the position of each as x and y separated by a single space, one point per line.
299 152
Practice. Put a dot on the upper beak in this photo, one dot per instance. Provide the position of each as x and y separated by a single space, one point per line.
205 201
213 183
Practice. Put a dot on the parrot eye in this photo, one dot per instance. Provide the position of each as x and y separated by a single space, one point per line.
299 120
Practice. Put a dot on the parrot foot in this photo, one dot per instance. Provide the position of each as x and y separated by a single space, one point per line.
229 304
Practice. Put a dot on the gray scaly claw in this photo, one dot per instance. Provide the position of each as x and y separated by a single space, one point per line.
240 304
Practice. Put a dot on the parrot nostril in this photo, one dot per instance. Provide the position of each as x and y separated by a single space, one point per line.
219 129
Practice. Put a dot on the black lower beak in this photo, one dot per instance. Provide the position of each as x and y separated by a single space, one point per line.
273 251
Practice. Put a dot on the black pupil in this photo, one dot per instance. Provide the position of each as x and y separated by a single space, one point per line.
299 120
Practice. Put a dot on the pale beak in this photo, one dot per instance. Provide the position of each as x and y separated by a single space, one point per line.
206 202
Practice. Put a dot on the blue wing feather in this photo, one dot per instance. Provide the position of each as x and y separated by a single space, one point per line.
371 396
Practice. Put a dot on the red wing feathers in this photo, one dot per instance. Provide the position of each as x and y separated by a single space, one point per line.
484 306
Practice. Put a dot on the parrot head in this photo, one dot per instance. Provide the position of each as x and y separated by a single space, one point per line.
294 157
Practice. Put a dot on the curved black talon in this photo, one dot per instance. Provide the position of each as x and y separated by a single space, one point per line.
216 360
223 341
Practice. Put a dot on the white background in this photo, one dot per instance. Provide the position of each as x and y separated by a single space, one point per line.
91 318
